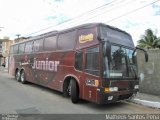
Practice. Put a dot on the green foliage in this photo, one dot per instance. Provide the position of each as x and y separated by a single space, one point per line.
149 40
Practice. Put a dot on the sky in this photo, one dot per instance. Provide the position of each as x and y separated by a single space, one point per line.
33 17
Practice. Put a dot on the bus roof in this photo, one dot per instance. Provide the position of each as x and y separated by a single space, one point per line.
83 26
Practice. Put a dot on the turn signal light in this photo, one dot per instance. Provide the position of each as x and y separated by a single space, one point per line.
111 89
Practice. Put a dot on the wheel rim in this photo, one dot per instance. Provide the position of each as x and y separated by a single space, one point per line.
69 90
22 77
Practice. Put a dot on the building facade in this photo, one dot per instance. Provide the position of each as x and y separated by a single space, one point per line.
1 52
5 48
5 51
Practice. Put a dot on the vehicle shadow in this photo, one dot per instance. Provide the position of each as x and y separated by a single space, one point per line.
81 102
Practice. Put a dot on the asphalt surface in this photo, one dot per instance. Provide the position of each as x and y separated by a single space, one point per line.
17 98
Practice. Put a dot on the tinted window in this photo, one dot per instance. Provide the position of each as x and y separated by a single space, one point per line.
92 61
50 43
28 47
66 41
21 48
15 49
38 45
78 60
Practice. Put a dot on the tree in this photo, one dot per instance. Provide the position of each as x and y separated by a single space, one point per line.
149 40
157 43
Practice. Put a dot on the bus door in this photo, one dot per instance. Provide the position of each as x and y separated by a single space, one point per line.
91 73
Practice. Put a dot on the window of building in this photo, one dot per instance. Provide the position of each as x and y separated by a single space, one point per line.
50 43
66 41
78 60
92 61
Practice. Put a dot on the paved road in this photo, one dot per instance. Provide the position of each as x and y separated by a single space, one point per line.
18 98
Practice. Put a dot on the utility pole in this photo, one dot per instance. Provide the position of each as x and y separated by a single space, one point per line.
18 35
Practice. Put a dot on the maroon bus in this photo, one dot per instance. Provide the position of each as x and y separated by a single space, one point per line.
95 62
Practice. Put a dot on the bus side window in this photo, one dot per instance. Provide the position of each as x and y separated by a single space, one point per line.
28 47
50 43
21 48
38 45
92 61
78 60
66 41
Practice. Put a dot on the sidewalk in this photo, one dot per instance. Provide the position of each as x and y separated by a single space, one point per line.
147 100
3 68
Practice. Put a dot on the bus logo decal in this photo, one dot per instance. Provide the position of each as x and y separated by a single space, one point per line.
85 38
45 65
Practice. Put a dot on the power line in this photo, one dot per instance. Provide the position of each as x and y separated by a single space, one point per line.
91 11
132 11
100 7
79 16
104 12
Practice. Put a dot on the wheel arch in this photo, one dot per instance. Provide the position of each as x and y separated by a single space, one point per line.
67 79
22 69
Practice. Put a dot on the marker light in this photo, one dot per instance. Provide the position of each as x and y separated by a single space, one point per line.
111 89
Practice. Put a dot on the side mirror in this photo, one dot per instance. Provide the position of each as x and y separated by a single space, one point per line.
145 53
106 44
146 56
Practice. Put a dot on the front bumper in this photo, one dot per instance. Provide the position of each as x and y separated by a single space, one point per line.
112 97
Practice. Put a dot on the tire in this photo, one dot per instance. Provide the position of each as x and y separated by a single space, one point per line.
17 76
22 77
74 91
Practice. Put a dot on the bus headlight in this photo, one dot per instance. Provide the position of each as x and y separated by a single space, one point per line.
111 89
136 86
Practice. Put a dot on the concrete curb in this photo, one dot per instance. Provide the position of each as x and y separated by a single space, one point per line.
146 103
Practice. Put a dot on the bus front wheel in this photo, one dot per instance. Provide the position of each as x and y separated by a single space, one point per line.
74 91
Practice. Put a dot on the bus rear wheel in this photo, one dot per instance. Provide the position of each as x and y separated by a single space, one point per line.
74 91
22 77
17 76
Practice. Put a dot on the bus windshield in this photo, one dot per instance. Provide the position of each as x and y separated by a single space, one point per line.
120 64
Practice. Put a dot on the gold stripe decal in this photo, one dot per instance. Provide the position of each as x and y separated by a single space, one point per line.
85 38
